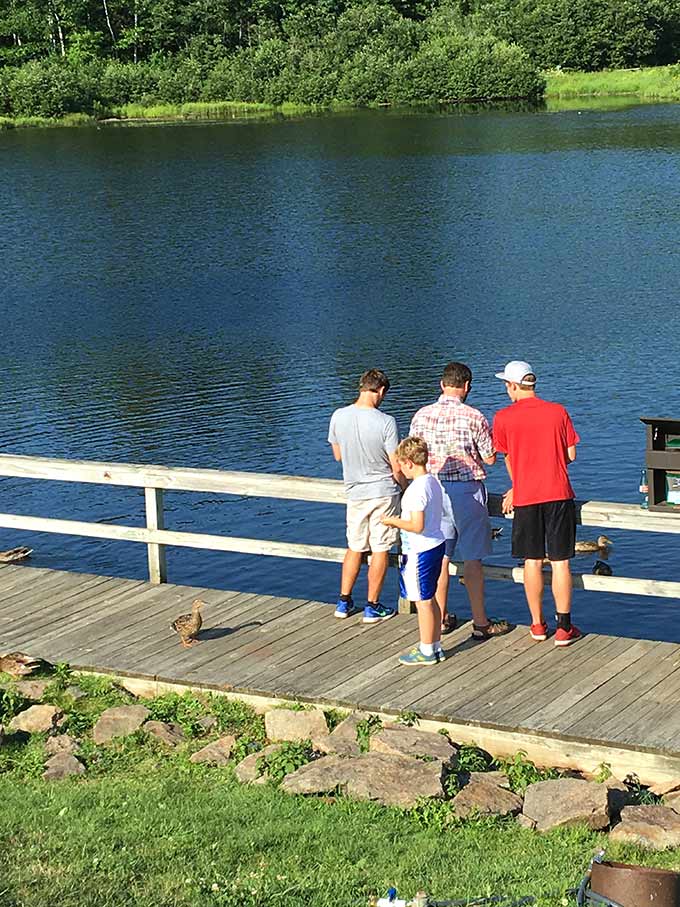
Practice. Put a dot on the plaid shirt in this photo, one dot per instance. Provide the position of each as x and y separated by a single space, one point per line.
458 438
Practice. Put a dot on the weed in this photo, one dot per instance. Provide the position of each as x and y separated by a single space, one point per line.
408 718
473 759
639 795
522 772
11 703
236 717
183 709
334 717
62 675
365 730
288 758
435 814
24 756
603 772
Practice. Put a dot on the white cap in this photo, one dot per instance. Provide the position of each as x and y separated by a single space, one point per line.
516 371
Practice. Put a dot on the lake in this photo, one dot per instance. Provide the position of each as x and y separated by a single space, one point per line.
207 294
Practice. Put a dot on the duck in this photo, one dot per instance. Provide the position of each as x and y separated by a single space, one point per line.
602 569
602 543
187 626
19 665
15 554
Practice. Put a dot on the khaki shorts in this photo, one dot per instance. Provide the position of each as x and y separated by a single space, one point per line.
365 532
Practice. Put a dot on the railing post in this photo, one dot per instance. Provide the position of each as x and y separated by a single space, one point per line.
158 571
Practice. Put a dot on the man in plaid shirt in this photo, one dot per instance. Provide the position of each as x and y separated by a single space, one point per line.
459 441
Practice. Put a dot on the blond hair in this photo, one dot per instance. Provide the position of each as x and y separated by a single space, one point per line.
413 449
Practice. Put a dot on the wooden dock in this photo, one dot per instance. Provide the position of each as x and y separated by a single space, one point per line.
607 699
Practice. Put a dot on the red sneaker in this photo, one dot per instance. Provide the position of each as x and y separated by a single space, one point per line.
567 637
539 632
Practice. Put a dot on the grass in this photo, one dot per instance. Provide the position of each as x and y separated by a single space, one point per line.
653 83
144 827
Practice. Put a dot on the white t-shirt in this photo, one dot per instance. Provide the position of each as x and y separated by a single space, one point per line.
425 494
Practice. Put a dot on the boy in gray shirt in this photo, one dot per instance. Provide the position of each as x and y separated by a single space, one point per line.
365 441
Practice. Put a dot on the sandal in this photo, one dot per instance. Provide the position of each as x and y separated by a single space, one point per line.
450 624
493 628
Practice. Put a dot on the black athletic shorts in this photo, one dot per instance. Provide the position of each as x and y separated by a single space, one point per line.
544 530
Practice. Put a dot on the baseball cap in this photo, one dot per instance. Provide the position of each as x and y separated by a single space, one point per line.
515 372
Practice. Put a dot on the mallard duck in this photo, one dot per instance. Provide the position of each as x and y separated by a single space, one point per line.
602 569
189 625
602 543
19 665
15 554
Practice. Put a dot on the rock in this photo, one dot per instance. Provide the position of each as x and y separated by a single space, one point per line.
665 787
500 779
343 739
62 743
485 798
75 692
288 724
37 719
32 689
119 721
567 801
408 741
207 723
215 753
673 800
656 827
169 733
61 766
246 770
526 822
392 780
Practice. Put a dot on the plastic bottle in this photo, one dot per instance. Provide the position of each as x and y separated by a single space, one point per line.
644 489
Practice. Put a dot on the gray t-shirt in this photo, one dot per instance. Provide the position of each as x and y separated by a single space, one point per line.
366 438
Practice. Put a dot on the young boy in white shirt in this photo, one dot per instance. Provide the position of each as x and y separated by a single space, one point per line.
423 546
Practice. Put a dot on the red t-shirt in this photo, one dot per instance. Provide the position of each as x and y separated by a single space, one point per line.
536 434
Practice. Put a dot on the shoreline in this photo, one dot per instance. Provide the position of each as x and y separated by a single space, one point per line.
608 88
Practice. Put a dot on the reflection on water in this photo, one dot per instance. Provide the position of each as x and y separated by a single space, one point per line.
206 295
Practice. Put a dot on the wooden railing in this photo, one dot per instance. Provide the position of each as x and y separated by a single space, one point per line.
155 480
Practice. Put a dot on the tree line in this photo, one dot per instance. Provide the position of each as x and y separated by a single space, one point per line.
61 56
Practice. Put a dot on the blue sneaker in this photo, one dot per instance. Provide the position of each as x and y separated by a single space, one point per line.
416 657
373 615
344 609
440 655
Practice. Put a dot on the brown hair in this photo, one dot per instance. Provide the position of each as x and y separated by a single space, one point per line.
413 449
528 382
456 374
373 380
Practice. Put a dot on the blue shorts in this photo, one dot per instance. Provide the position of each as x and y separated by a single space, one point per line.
419 572
472 536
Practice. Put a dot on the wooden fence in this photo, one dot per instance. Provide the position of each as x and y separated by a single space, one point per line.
155 480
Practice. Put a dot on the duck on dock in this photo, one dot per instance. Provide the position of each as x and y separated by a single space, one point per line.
188 626
588 546
19 665
15 554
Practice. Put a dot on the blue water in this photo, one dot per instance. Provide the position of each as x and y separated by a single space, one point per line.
206 295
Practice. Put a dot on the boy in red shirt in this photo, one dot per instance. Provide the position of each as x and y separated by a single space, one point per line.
539 442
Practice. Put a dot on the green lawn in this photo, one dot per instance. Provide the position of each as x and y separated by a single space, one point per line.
654 83
144 827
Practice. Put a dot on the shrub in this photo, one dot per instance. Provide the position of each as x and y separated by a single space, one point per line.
52 88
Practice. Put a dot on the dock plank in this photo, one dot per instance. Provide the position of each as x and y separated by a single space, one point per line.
606 691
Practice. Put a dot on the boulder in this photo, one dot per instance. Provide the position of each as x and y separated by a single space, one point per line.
408 741
37 719
665 787
169 733
75 692
119 721
343 739
567 801
207 723
655 827
485 798
500 779
673 800
526 822
215 753
392 780
289 724
61 766
62 743
32 689
246 770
